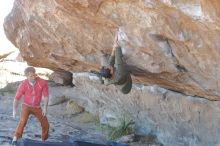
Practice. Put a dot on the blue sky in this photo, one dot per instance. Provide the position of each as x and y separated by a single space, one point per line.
5 7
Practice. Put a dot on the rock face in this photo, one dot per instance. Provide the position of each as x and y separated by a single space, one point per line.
61 77
170 43
166 43
176 119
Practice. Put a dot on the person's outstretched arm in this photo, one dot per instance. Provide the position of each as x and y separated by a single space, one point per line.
112 57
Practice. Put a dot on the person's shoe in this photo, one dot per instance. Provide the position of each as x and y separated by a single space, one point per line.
14 143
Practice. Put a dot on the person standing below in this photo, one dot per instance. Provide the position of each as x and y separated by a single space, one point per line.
31 89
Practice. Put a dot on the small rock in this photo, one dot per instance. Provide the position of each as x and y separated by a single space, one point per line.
88 118
72 107
62 77
54 100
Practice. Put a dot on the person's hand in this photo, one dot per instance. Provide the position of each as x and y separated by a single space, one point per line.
44 113
14 114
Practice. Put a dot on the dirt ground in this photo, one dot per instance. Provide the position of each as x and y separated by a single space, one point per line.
62 127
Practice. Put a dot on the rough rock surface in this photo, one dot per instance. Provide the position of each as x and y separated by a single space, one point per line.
61 77
176 119
72 107
174 44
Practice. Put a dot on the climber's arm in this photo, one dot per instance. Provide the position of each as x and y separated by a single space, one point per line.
111 60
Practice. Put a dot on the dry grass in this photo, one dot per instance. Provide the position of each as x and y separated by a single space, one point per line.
125 128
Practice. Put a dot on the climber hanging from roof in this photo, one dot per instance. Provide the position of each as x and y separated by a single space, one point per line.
114 71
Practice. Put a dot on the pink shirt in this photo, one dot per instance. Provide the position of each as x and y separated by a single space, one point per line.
32 95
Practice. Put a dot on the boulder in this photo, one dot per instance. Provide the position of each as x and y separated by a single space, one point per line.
61 77
173 44
73 107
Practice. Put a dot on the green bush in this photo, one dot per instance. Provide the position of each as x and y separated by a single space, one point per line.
125 128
